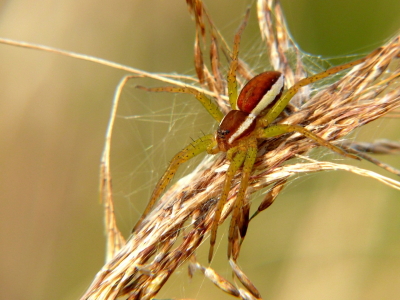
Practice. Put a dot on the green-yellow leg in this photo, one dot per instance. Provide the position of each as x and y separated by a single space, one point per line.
235 163
208 104
275 130
280 105
231 78
196 147
244 183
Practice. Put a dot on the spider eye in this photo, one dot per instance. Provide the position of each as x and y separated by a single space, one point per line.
222 133
260 92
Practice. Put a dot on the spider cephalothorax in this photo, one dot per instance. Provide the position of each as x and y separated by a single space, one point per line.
250 120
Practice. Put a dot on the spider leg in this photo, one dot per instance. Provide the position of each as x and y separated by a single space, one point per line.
244 219
196 147
275 130
208 104
280 105
244 182
231 78
235 163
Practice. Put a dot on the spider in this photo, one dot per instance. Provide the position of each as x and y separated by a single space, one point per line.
250 120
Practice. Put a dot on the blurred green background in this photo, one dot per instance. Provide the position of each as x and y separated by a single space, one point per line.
328 236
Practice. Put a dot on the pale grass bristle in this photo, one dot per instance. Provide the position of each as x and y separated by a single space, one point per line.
139 267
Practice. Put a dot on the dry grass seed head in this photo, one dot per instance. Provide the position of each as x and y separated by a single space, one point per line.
149 257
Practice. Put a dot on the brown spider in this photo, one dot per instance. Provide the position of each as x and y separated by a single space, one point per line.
250 120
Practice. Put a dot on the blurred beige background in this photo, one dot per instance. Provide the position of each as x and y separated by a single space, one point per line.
329 236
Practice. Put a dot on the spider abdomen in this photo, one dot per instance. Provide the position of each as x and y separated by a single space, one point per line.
260 92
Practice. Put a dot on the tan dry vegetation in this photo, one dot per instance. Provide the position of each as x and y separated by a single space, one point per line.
139 267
